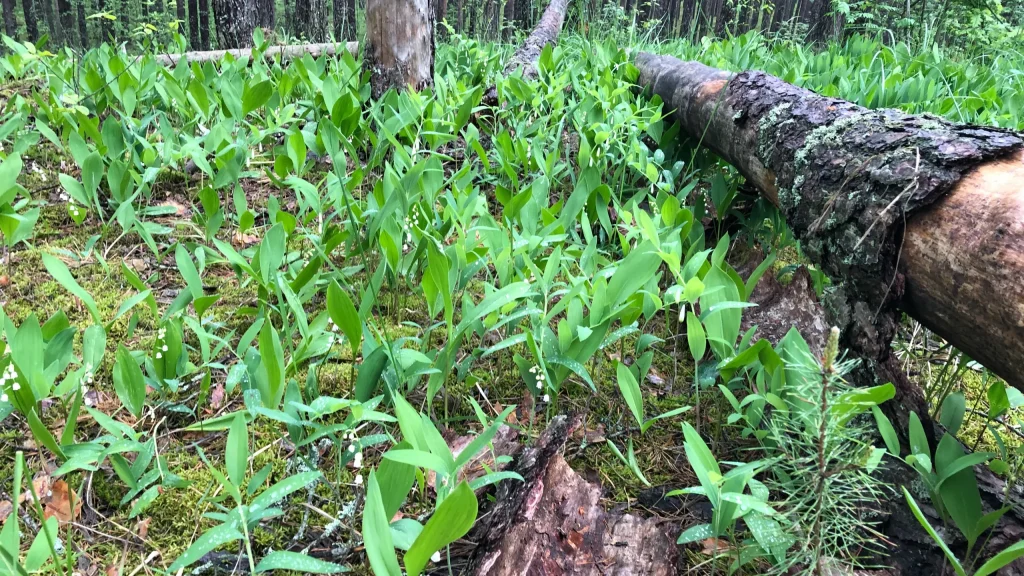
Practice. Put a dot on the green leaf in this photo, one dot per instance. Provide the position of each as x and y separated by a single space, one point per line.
952 413
236 451
380 549
452 520
888 432
210 540
1001 559
695 337
278 491
420 459
918 439
129 383
295 562
271 367
482 439
395 480
630 389
369 373
931 532
62 275
42 434
345 316
696 534
256 96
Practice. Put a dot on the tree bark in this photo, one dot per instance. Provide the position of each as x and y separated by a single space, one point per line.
285 52
10 20
31 28
399 44
235 22
83 25
553 523
204 24
67 21
266 14
311 17
193 24
909 213
179 7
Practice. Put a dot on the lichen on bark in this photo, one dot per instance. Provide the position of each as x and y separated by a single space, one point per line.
847 179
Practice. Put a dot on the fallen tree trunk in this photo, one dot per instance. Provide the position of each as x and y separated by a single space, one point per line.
286 52
910 213
546 32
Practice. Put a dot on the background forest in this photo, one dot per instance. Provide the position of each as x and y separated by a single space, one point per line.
219 24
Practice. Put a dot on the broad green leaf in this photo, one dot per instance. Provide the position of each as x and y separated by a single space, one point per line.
345 316
452 520
630 389
209 541
129 383
952 413
295 562
369 373
61 274
380 549
931 532
236 451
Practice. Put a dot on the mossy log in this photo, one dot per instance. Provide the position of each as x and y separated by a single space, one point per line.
285 52
908 213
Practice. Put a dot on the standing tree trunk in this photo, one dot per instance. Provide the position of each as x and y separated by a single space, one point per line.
193 24
311 19
179 8
52 27
204 24
10 20
83 25
235 21
344 19
399 44
266 14
30 20
66 17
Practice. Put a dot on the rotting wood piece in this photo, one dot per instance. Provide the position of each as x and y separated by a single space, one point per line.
553 523
847 179
285 52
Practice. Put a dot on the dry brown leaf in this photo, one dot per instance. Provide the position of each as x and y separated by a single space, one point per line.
217 395
62 503
714 546
245 239
142 528
6 507
113 570
179 208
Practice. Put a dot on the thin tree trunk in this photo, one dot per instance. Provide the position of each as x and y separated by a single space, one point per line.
193 24
179 8
83 25
350 31
67 21
461 17
908 213
311 18
399 44
10 20
204 24
235 20
508 20
30 20
52 26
